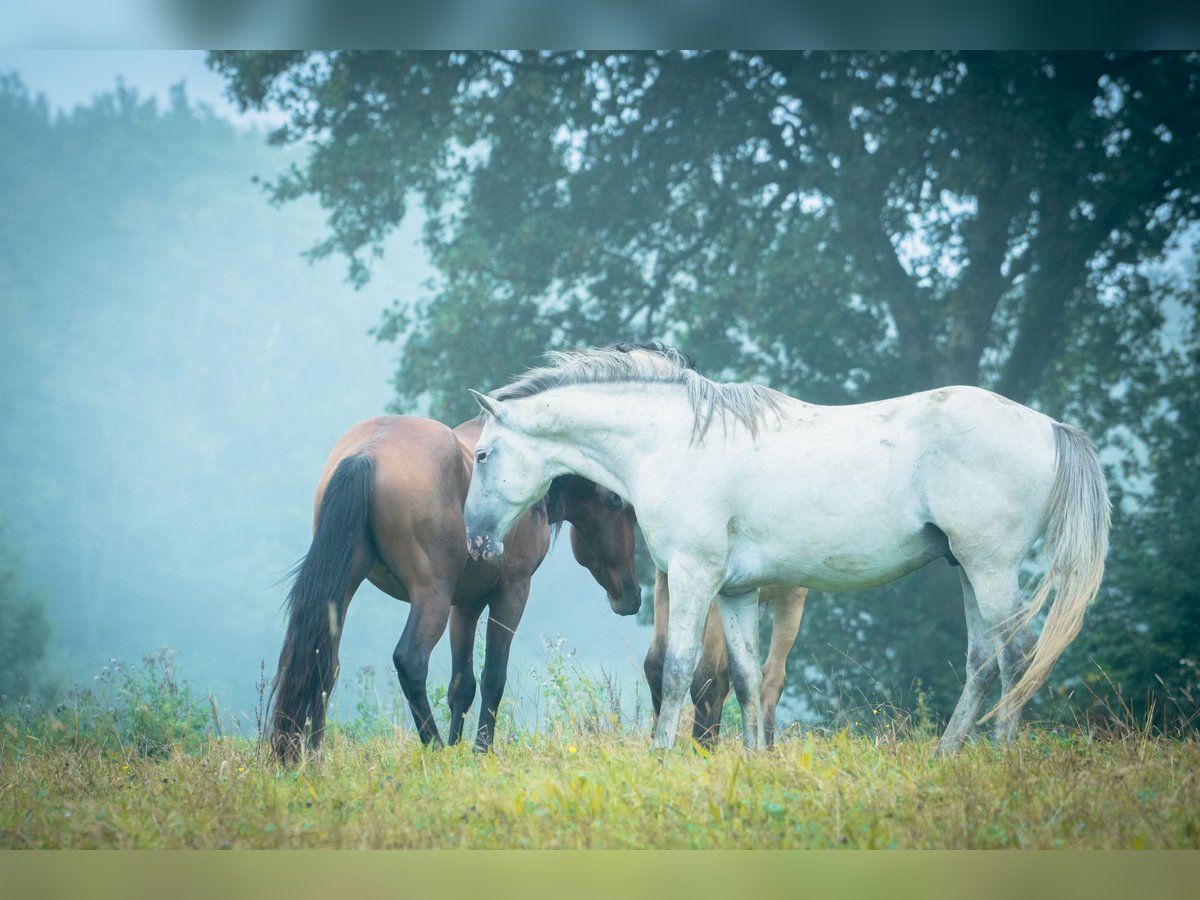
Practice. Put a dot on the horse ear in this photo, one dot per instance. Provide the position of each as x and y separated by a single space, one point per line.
488 405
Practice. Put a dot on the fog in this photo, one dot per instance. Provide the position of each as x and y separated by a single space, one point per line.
174 374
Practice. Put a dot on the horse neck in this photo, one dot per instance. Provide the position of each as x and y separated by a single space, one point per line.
604 434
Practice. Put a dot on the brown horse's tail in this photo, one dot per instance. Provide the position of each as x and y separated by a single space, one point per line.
308 661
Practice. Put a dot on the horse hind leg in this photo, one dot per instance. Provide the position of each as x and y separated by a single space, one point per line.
997 600
1014 660
982 667
461 693
426 624
656 653
788 608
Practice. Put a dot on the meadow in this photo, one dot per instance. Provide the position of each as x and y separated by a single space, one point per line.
141 761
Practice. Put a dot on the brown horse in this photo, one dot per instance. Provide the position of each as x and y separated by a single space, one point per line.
389 508
711 681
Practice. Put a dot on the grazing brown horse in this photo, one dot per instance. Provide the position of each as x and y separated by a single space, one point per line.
711 681
389 508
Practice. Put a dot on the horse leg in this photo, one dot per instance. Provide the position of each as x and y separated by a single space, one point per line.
504 614
788 607
657 652
998 599
1014 660
692 590
426 623
710 684
461 693
982 668
739 612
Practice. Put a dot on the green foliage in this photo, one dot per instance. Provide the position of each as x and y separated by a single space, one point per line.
372 717
142 710
577 704
24 632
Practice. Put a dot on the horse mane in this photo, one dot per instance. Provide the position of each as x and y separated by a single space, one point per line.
746 404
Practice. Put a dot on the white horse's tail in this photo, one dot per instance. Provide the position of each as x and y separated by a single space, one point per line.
1076 544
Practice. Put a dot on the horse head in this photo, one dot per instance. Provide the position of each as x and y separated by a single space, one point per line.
602 537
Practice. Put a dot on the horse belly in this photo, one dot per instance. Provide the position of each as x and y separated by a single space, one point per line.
835 553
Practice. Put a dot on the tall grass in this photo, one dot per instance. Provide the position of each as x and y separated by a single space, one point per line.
139 759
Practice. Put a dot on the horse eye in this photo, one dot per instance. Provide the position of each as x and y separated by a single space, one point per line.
481 456
613 501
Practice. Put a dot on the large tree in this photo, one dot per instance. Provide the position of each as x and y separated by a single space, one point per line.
843 226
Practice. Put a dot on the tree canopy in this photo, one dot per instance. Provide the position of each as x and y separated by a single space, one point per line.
842 226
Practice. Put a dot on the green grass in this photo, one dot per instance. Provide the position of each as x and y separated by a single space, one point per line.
838 790
138 761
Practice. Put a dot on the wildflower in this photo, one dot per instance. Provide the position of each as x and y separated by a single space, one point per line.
571 749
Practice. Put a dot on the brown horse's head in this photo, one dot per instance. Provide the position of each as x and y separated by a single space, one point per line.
602 531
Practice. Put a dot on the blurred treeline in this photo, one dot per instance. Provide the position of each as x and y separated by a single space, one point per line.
842 226
173 375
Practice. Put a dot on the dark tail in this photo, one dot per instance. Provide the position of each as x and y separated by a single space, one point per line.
308 661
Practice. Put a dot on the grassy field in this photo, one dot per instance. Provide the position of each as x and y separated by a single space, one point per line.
132 762
820 791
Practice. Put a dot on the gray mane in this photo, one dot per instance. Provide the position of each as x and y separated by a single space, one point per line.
743 403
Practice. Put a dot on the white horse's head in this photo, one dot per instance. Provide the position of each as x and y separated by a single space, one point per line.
510 476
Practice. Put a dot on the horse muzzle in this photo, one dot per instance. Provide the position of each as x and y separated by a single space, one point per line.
628 602
484 547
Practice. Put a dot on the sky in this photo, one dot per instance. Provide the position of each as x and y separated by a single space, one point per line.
70 78
567 611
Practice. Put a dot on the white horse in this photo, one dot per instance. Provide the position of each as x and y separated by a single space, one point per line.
738 486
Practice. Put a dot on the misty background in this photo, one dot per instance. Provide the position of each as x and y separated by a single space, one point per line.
174 374
181 344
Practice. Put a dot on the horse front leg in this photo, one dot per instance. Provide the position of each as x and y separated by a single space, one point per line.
504 614
692 590
739 613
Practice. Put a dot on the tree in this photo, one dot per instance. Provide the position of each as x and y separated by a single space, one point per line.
843 226
24 632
